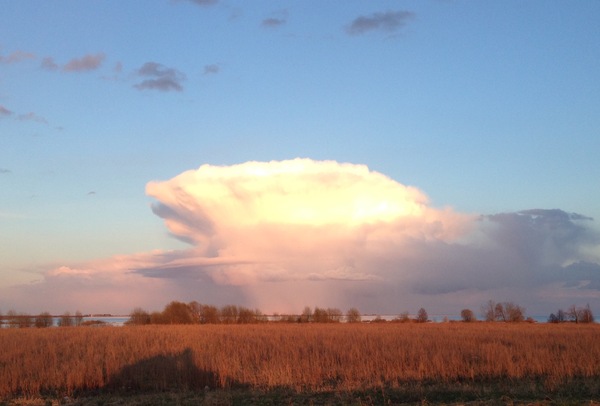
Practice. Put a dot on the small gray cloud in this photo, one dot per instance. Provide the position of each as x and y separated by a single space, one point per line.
211 69
48 63
159 78
272 22
16 56
85 63
277 19
4 171
389 21
204 2
4 112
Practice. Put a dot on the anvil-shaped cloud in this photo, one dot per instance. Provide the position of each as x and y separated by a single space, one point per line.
284 234
295 220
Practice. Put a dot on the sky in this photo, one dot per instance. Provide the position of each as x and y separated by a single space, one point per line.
383 155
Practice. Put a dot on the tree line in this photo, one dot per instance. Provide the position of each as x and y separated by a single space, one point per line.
196 313
573 314
44 319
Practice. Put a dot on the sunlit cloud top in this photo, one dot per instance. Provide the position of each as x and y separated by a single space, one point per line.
294 192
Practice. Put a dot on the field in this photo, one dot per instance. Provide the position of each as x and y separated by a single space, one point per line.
303 363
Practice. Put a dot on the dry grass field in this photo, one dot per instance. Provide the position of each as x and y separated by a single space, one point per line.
544 359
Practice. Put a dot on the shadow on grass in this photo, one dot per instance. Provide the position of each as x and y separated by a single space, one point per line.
163 373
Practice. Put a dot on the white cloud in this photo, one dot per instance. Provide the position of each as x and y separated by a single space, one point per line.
284 234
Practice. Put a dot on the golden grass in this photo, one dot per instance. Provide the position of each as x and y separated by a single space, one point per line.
310 357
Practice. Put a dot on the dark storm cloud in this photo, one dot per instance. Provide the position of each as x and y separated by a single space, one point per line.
159 77
528 248
389 21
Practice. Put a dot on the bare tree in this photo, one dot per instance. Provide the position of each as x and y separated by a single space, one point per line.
246 316
514 312
500 312
209 315
334 315
404 317
467 315
65 320
178 313
573 314
353 315
320 315
306 316
138 317
44 320
580 314
229 314
586 315
78 319
422 315
196 309
488 311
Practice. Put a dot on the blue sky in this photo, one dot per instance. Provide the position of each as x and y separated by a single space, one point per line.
485 107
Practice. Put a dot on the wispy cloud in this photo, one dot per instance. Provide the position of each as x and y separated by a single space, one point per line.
48 63
17 56
389 21
4 171
278 19
272 22
85 63
32 117
204 2
4 112
159 78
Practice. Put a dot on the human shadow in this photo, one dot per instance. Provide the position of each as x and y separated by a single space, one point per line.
162 373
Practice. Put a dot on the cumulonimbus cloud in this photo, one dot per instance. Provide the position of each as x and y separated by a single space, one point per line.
295 220
159 77
284 234
388 21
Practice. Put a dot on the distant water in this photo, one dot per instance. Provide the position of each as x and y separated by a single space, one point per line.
116 321
436 318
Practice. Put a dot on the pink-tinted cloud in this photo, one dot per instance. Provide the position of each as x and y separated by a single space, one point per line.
285 234
4 112
48 63
85 63
17 56
32 117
